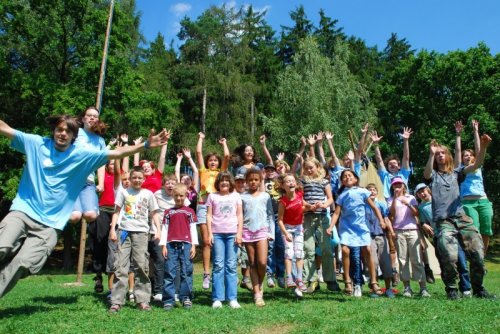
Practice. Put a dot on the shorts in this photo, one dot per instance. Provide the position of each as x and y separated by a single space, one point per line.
294 248
481 212
201 213
87 200
249 236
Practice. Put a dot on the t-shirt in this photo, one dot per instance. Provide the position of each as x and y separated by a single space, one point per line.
207 181
371 218
294 212
136 208
153 181
224 207
425 214
165 201
473 184
335 176
88 140
108 195
242 169
51 180
314 191
179 224
271 190
353 229
403 217
446 195
386 179
258 213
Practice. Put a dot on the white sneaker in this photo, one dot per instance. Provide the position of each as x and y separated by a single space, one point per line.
298 293
467 294
320 275
357 291
407 292
232 304
176 298
157 297
217 304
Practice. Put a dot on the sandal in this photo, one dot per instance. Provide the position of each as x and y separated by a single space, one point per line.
144 307
376 291
114 308
348 288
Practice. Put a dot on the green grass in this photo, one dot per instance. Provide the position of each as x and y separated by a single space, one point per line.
43 304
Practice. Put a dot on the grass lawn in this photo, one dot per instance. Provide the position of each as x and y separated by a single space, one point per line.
42 304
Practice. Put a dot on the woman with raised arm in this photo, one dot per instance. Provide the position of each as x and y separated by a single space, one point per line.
191 182
476 203
450 218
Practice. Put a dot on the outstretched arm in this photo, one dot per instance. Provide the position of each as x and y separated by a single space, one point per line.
329 140
6 130
485 142
269 158
458 143
311 140
378 156
187 153
163 153
430 162
477 140
406 148
361 144
152 142
199 150
137 141
227 154
126 160
319 141
177 170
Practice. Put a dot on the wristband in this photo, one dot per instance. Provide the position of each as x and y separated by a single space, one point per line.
146 144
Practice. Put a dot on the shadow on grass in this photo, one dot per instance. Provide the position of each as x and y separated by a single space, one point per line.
14 312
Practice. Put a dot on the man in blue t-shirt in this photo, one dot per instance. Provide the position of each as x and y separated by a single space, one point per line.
54 172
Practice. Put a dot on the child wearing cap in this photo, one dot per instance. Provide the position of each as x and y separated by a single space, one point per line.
403 208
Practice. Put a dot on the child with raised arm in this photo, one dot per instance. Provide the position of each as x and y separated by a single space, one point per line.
208 168
290 220
353 229
224 223
452 224
134 207
258 227
404 213
423 193
178 241
474 200
192 183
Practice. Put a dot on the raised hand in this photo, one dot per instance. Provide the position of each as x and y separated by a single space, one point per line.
303 140
113 141
179 156
222 141
320 136
187 152
280 156
137 141
365 128
375 137
433 147
458 127
350 155
406 133
485 140
168 134
475 125
262 139
311 140
328 135
124 138
201 135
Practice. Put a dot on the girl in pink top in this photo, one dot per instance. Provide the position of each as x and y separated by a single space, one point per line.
225 224
404 210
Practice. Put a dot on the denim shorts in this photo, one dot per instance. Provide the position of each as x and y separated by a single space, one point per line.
201 213
87 200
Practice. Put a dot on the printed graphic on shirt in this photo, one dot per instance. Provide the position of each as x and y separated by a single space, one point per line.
136 208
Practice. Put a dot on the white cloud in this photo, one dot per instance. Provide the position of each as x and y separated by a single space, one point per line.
181 8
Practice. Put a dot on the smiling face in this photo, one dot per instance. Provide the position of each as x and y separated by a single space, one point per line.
248 154
348 179
148 169
137 179
169 185
373 192
125 180
424 194
393 166
63 137
212 162
239 185
289 184
186 179
90 118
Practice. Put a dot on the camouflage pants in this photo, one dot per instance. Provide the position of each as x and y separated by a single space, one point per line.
453 231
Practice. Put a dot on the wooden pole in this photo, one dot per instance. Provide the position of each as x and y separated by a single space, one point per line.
203 109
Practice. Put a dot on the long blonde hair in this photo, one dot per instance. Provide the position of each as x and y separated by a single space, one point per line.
321 171
449 164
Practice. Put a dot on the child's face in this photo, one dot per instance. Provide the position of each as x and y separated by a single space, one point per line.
289 184
253 182
239 185
248 153
179 198
148 169
348 179
424 195
213 162
111 167
373 191
270 173
137 179
224 186
467 158
125 180
393 166
187 181
91 117
281 169
310 169
168 186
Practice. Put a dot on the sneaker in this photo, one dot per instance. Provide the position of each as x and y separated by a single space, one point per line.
234 304
333 286
357 291
98 287
320 275
206 281
158 297
290 284
144 307
217 304
452 294
270 281
246 284
484 294
300 285
259 301
168 307
312 286
176 297
115 308
298 292
187 304
424 293
281 282
407 292
131 296
390 293
467 294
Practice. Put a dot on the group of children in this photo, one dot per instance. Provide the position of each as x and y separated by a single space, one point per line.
311 207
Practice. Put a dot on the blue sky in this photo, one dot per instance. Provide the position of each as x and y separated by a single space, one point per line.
441 25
